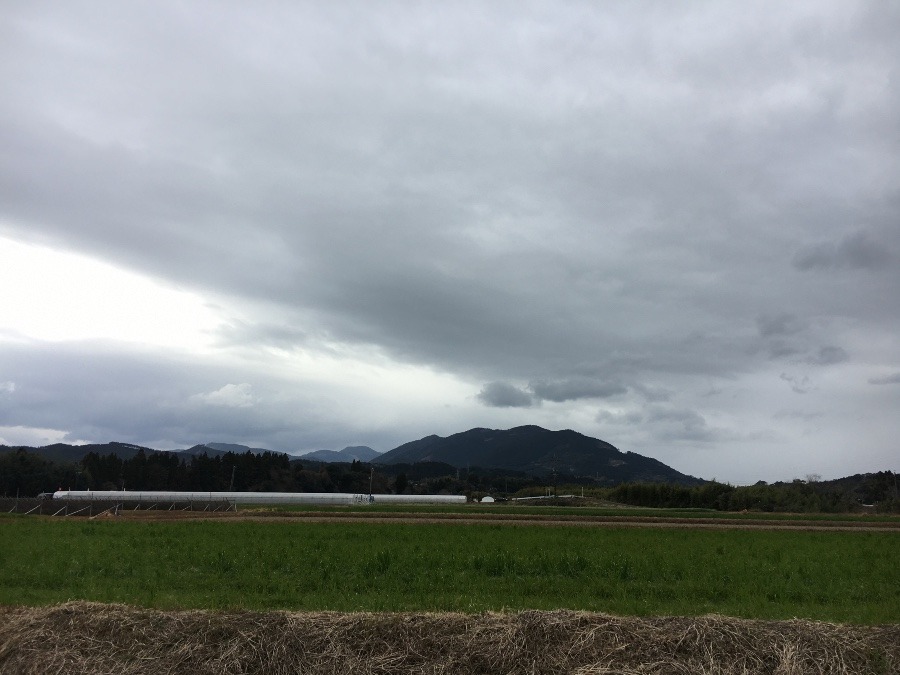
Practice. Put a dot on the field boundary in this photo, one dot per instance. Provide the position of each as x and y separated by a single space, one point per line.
89 508
513 519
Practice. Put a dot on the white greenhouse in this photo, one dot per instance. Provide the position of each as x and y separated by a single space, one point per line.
322 498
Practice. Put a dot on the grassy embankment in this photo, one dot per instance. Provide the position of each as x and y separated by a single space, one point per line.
832 576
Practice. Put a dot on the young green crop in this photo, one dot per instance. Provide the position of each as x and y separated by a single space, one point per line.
835 576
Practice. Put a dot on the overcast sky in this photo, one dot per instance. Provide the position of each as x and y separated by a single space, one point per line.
306 225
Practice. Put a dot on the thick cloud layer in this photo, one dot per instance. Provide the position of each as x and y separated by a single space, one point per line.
674 227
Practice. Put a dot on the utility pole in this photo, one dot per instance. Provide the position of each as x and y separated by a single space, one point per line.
554 464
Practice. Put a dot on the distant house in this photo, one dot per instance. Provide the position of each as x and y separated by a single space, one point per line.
487 500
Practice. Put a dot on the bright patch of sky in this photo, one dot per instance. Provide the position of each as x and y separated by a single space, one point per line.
34 437
62 296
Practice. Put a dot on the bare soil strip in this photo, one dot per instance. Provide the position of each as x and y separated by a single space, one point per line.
574 520
92 638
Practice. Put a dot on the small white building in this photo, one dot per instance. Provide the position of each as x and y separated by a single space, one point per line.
487 500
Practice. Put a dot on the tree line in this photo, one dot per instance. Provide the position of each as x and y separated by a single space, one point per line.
877 491
27 474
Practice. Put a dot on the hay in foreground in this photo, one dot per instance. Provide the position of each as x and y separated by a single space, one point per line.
89 638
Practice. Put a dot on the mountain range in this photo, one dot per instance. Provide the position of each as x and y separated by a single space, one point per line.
526 450
224 448
537 451
359 453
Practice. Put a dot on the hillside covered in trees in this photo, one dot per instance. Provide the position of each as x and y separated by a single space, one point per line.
25 473
862 492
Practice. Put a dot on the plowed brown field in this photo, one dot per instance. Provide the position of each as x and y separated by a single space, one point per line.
513 519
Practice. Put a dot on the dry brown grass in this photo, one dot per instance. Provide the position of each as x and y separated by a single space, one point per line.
91 638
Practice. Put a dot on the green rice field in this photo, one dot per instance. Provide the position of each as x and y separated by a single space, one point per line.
849 577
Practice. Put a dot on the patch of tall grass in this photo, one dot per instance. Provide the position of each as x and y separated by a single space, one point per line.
834 576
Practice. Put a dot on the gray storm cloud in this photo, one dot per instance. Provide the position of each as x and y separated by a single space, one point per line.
504 395
887 379
779 324
829 355
854 251
575 388
611 203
